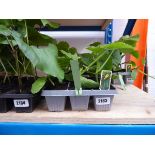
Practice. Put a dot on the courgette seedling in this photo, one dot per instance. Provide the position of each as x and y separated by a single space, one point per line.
110 57
107 57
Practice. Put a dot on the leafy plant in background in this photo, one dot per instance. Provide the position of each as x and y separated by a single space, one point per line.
23 41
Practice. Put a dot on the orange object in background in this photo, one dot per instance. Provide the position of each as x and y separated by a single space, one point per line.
141 28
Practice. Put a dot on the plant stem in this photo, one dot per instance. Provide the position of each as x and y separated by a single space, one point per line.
51 81
145 74
12 67
105 62
87 68
27 37
6 75
96 74
17 64
11 45
18 71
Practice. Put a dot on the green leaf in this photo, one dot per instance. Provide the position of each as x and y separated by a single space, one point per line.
44 58
4 41
64 63
88 83
131 40
72 50
86 58
38 85
76 74
26 49
95 44
116 46
106 63
135 54
63 45
113 46
5 22
143 61
38 39
69 55
46 22
116 58
48 61
133 63
4 30
134 74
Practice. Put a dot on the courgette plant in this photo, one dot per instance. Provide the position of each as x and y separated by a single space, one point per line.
108 56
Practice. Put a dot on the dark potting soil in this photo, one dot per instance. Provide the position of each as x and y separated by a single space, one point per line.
8 85
13 87
122 70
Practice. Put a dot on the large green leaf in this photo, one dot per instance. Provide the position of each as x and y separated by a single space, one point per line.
105 62
4 30
26 49
64 63
116 58
131 40
72 50
95 44
69 55
63 45
88 83
5 22
86 58
46 22
76 75
122 47
48 61
38 39
38 84
4 41
44 58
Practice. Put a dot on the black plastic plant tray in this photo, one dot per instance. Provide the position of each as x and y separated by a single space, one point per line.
23 103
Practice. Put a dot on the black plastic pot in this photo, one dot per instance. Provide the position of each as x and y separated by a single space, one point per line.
23 103
5 105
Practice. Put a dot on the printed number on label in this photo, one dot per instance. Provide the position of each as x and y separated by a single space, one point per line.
103 100
21 103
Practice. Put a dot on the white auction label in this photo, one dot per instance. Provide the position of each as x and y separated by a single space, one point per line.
21 103
129 80
103 100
